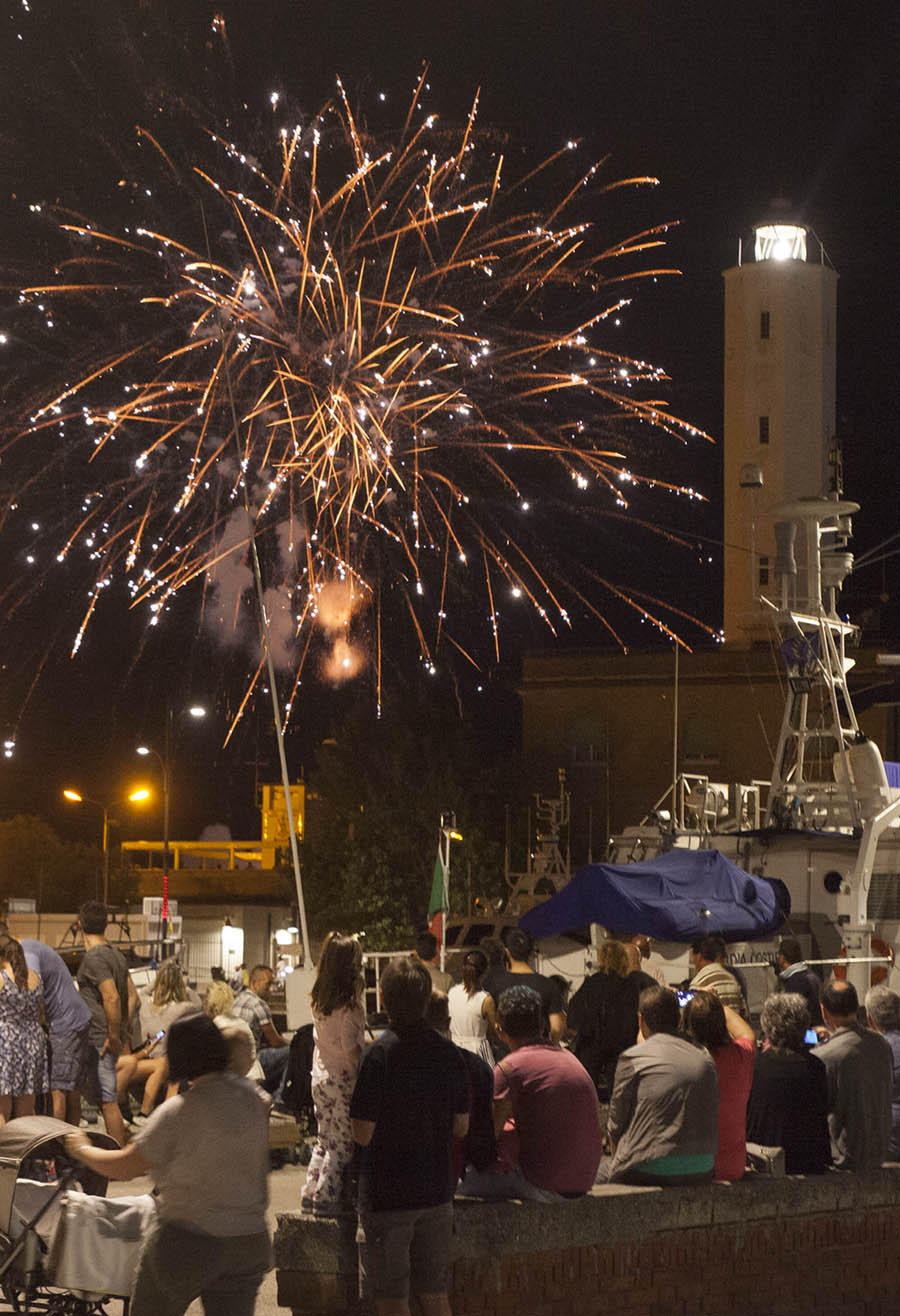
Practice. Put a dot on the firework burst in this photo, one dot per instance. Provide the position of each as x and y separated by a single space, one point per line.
368 356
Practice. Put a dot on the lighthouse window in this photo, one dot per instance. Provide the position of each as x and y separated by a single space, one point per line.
764 324
763 571
764 429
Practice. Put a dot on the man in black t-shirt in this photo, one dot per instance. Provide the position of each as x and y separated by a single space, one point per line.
106 986
519 973
410 1102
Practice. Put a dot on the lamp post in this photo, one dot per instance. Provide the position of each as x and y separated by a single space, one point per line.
75 797
195 711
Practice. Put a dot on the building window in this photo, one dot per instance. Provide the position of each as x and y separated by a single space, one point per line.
764 324
763 571
764 429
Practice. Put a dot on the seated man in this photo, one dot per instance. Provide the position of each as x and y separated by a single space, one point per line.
883 1014
664 1112
860 1081
272 1049
554 1149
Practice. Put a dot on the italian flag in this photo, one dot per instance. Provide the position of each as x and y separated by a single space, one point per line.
437 901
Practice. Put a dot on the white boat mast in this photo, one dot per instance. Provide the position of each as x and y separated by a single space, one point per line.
813 785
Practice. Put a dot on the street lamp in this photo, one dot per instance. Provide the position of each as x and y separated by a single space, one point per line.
75 797
196 711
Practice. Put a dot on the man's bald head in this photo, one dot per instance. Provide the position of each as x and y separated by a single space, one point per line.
840 1000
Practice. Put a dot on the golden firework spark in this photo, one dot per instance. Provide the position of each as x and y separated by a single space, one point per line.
382 348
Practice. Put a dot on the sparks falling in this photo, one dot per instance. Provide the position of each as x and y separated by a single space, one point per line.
385 351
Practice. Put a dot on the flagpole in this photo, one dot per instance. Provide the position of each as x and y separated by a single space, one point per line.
266 640
444 844
439 900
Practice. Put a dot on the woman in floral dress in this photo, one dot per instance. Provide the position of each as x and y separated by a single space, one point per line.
23 1046
339 1023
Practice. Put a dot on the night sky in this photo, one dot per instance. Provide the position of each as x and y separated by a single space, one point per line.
727 105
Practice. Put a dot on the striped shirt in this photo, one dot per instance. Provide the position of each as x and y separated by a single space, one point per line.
716 979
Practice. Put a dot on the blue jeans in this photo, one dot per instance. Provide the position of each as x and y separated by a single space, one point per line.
274 1060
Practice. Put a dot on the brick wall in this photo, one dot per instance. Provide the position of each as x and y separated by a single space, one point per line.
797 1247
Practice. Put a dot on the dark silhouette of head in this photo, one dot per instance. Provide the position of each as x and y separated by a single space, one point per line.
405 991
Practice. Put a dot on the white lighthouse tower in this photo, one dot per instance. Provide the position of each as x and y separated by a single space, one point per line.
780 310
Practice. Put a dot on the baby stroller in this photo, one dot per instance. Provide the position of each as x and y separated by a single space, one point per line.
41 1252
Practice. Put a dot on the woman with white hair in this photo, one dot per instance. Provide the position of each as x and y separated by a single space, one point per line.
219 1005
788 1104
883 1013
207 1150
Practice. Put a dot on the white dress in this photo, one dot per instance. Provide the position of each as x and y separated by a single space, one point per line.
468 1026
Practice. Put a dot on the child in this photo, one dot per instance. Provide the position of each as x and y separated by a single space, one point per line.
411 1101
338 1026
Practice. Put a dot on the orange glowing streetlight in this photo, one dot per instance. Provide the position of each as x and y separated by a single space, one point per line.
136 796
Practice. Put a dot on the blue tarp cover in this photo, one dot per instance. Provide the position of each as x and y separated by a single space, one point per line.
679 896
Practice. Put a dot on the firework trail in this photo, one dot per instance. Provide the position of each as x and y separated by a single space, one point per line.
384 349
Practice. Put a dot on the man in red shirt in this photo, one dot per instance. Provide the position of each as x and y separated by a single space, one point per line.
545 1113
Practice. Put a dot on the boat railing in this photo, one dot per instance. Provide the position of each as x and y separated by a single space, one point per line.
694 803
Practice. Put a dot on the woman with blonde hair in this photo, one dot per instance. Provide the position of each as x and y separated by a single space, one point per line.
160 1005
603 1015
219 999
338 1027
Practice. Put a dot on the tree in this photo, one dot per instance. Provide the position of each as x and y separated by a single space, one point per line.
374 805
58 875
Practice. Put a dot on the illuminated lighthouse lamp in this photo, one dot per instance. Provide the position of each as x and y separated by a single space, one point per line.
780 242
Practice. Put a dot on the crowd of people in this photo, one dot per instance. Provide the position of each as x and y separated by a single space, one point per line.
201 1127
493 1086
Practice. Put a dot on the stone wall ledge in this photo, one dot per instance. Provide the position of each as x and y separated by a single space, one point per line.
609 1215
